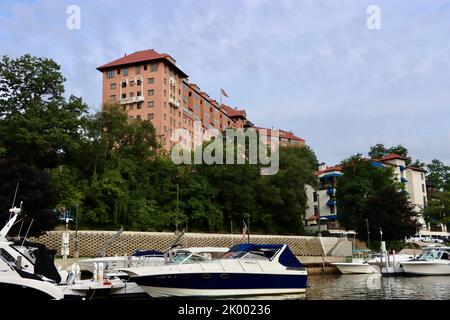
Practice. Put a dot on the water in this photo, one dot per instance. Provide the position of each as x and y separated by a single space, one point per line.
376 287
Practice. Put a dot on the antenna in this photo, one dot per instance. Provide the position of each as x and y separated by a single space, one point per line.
14 199
26 234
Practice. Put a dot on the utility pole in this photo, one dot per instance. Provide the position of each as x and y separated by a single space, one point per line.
75 253
248 227
368 233
318 211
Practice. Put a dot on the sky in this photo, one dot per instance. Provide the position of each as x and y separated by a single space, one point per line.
310 66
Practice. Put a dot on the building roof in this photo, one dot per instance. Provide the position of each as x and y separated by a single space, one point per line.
282 134
329 169
392 156
233 113
140 57
416 168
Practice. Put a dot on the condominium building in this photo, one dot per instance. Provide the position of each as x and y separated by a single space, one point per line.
322 202
150 86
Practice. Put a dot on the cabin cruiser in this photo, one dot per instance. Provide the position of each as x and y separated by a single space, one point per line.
246 269
433 261
390 263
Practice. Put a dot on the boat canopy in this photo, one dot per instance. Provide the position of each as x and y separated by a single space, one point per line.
286 258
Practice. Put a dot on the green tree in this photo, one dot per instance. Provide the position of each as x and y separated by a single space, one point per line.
389 210
359 182
38 125
378 151
438 209
438 175
36 192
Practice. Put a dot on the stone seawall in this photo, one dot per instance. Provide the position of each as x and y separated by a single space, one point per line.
91 242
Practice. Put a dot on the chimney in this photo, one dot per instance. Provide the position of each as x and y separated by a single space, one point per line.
124 54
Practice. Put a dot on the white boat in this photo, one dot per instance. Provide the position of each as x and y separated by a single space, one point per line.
433 261
356 266
246 269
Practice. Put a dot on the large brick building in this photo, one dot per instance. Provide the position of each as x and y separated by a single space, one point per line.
149 85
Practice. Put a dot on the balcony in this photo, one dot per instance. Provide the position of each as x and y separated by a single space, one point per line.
174 103
131 100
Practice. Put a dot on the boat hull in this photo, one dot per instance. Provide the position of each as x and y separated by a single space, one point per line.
427 268
355 268
221 284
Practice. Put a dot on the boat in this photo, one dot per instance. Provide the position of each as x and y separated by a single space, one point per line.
433 261
357 265
245 270
392 263
30 266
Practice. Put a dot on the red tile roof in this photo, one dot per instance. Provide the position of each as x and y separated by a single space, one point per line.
335 168
282 134
141 56
392 156
232 113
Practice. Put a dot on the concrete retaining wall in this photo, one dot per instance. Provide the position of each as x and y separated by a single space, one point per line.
91 242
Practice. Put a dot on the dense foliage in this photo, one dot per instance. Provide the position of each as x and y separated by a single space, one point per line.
117 174
368 192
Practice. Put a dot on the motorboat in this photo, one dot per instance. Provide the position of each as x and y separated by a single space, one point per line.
390 263
357 265
30 266
433 261
246 269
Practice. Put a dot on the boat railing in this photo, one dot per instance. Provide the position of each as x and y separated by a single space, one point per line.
220 263
241 265
259 266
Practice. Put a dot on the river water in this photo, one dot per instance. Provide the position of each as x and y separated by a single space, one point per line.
377 287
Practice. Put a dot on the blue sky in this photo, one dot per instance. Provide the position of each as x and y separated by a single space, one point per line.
309 66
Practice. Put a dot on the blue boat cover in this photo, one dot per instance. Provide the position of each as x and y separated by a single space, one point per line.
141 253
287 258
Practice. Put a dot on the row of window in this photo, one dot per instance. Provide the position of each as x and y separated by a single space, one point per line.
150 116
110 73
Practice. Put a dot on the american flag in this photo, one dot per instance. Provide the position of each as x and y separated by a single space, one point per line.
244 230
222 92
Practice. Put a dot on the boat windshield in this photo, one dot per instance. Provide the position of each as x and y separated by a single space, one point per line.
187 257
429 255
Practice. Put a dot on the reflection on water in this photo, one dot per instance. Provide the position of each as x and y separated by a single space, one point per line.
376 287
368 287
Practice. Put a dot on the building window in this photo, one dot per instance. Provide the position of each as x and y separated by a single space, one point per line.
139 93
316 210
131 94
110 74
150 92
165 81
138 82
112 86
138 117
124 95
150 116
151 104
131 83
138 70
124 84
139 105
165 93
112 98
165 105
425 201
165 116
131 106
125 71
154 67
332 210
150 80
145 67
423 188
422 176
